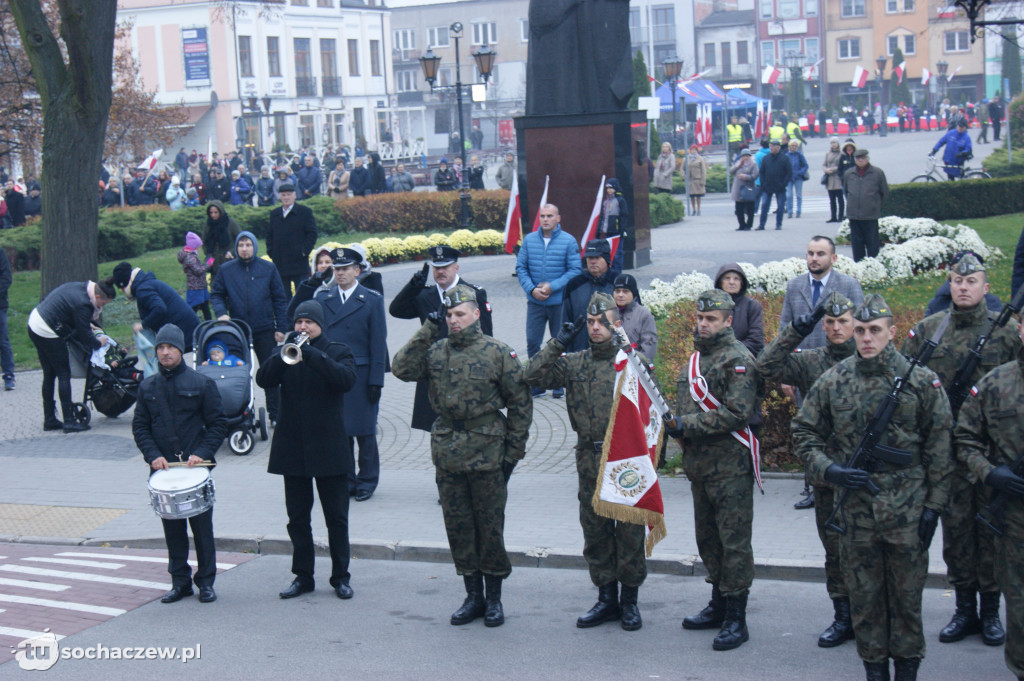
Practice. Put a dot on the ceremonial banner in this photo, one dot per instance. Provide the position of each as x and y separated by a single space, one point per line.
543 200
926 76
595 215
899 70
760 129
627 482
860 76
514 219
770 75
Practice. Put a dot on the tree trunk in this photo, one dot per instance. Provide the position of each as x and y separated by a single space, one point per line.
75 95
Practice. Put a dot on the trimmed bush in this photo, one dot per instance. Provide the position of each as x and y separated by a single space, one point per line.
956 200
997 164
665 209
418 211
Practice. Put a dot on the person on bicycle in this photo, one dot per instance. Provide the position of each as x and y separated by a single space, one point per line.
958 149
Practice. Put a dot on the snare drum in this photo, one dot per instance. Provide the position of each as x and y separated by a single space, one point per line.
178 493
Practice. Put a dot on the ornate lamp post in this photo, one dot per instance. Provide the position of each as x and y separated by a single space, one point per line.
795 62
884 122
485 63
673 66
254 110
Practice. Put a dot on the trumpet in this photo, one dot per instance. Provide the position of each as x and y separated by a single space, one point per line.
291 353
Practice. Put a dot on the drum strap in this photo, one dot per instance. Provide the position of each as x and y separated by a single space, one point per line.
163 388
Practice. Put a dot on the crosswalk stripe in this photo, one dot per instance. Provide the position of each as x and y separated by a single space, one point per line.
23 633
138 559
84 576
63 605
42 586
78 563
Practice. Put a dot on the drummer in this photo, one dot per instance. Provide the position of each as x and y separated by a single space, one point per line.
178 418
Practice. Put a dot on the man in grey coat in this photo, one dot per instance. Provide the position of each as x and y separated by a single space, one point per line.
866 190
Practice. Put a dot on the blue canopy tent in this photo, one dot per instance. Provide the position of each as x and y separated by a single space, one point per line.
705 92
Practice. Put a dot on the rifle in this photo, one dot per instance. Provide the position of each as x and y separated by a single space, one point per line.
660 403
993 516
960 388
869 446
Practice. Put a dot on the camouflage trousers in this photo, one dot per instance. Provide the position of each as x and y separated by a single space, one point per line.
1010 572
473 504
824 501
969 551
614 550
723 514
885 577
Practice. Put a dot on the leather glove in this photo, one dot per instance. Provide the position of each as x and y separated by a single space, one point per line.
844 476
437 316
569 331
806 323
506 469
373 393
325 276
420 278
1005 480
926 527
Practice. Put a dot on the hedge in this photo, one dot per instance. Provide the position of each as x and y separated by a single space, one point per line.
997 164
956 200
715 182
665 210
421 211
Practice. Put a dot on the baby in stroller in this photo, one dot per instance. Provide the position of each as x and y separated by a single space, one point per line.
218 355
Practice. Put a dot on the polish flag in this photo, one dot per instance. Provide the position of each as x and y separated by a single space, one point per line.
651 79
543 200
150 161
947 12
613 244
899 71
768 118
595 215
926 76
770 75
812 70
949 78
860 77
513 220
760 129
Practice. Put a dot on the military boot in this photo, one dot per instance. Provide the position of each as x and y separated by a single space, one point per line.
473 606
841 630
906 668
605 610
734 627
630 613
877 671
991 628
494 616
965 620
712 616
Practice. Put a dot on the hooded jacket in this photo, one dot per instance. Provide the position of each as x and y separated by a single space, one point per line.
251 290
219 236
748 315
160 304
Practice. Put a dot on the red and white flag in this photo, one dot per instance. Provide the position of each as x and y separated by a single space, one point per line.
760 129
150 161
513 219
543 200
770 75
768 118
926 76
860 76
651 79
613 244
595 215
812 71
899 70
627 483
949 78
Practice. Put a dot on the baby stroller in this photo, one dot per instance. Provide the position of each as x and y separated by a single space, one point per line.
235 383
112 389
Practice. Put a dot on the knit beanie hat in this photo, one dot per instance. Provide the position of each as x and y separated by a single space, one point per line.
193 240
628 281
171 335
311 310
122 274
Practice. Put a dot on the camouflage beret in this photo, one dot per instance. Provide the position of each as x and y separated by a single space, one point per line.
873 307
715 299
837 304
459 295
600 303
967 264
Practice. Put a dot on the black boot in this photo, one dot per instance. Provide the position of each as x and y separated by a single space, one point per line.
494 616
906 668
473 606
50 420
807 502
965 620
71 425
631 620
605 610
841 630
991 628
877 671
734 628
712 616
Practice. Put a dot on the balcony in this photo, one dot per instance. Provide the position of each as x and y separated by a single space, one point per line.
332 86
305 87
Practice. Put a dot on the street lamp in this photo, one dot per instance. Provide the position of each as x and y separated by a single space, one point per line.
883 105
254 110
430 62
673 66
795 61
943 67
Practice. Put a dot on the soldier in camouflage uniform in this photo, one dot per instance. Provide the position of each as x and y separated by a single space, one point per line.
782 361
473 445
614 551
885 549
720 469
989 438
969 551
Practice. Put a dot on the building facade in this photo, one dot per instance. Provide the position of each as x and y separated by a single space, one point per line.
726 43
790 34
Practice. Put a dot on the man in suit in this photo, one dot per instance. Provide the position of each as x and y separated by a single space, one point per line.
355 317
290 238
418 299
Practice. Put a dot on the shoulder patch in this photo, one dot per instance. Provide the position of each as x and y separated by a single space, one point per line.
974 391
740 369
936 383
911 334
372 292
512 354
487 306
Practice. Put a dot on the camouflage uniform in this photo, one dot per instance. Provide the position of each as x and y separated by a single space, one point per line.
884 561
990 433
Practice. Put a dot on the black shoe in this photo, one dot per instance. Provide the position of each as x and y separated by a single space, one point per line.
841 630
294 589
53 425
965 620
734 628
344 591
906 668
363 495
759 229
778 228
806 502
176 594
494 615
474 606
74 427
207 594
877 671
631 620
605 610
992 633
711 617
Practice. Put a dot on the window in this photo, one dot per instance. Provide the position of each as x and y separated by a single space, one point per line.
767 53
305 86
306 131
810 8
404 39
273 57
329 66
892 44
956 41
280 131
325 3
766 9
245 56
849 48
908 5
375 58
741 53
437 37
637 36
788 47
910 44
353 57
442 122
299 3
891 7
811 50
853 8
524 30
709 54
405 81
357 126
789 9
664 23
485 33
726 59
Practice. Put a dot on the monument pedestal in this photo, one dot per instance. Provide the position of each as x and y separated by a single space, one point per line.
575 151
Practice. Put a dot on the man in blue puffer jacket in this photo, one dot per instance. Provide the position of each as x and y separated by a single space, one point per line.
158 303
548 259
958 149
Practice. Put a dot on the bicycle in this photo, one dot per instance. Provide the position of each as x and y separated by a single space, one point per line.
932 166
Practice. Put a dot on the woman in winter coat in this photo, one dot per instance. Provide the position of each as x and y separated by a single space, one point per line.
748 315
240 189
378 179
663 170
745 171
444 178
637 320
337 182
834 181
265 188
795 188
846 160
219 235
696 178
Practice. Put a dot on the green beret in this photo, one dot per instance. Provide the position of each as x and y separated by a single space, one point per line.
459 295
873 307
715 299
837 304
967 264
600 303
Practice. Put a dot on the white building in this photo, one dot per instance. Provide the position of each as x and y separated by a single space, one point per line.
726 42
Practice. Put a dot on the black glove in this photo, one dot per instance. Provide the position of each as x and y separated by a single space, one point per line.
569 331
373 393
806 323
506 469
1005 480
437 316
325 276
844 476
420 278
926 527
931 154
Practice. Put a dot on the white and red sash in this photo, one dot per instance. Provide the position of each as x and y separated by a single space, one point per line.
702 396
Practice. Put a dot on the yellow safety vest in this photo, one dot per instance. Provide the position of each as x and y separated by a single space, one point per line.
793 129
735 132
775 132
